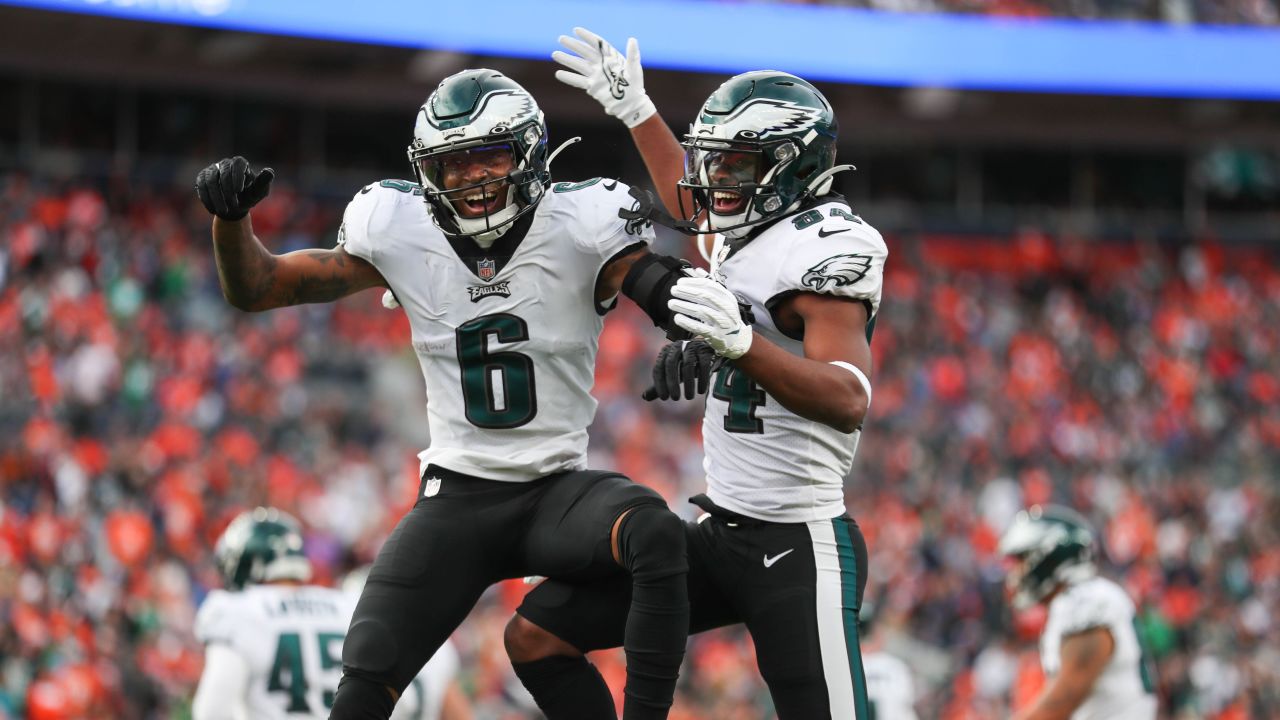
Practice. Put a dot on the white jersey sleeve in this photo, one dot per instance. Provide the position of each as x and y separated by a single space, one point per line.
224 684
1084 608
366 223
359 230
592 208
216 620
834 253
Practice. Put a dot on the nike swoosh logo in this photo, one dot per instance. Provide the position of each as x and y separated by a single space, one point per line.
822 232
769 561
610 185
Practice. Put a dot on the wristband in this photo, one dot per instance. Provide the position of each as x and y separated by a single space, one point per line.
862 377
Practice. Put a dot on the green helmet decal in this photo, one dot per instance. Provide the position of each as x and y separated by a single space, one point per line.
480 111
1051 546
261 545
770 122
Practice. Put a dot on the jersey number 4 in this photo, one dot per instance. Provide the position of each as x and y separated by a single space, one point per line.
497 387
740 391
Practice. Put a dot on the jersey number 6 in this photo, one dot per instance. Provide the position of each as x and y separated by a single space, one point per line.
497 387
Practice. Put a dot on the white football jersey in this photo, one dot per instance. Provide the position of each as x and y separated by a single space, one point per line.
890 687
290 636
1125 689
762 460
508 351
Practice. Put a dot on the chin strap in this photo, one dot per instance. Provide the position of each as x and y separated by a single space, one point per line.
816 188
555 153
648 208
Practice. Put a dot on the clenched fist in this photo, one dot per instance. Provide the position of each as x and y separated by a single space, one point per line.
229 187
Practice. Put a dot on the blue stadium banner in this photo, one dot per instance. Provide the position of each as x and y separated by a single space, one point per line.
822 43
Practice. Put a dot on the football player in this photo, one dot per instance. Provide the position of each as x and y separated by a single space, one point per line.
1090 649
273 643
891 687
505 278
775 549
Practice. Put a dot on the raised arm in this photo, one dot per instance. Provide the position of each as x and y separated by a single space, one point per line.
663 158
617 83
252 278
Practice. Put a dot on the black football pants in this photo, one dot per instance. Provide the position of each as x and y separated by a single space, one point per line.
463 535
796 586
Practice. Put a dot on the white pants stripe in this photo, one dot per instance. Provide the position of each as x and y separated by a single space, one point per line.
830 612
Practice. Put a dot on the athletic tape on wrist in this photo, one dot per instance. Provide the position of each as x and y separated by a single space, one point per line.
862 377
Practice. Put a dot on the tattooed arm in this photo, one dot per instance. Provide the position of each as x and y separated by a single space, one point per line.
253 279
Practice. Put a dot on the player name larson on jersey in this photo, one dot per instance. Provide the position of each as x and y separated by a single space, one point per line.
763 460
507 345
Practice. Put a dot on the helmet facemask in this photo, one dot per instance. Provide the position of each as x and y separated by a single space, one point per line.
734 183
478 188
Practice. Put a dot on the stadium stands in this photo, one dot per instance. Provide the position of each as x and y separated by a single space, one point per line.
1136 381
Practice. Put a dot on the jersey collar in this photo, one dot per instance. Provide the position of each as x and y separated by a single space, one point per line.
486 263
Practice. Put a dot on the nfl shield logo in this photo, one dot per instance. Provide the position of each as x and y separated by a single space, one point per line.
487 269
432 487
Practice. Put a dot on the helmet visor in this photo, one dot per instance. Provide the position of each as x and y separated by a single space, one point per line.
730 176
473 180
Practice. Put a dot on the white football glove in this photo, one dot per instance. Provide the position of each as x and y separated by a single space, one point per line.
707 309
616 82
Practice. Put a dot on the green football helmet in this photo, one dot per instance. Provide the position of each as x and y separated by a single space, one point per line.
763 143
474 112
262 545
1050 547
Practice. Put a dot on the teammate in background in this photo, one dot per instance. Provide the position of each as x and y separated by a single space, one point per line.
1090 650
891 688
776 550
505 279
273 643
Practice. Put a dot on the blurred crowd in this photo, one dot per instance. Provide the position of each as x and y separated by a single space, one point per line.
1216 12
1135 381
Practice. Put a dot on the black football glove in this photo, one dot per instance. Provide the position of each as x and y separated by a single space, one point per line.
228 188
683 363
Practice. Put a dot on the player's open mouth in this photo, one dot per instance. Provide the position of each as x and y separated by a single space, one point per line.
726 202
480 202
